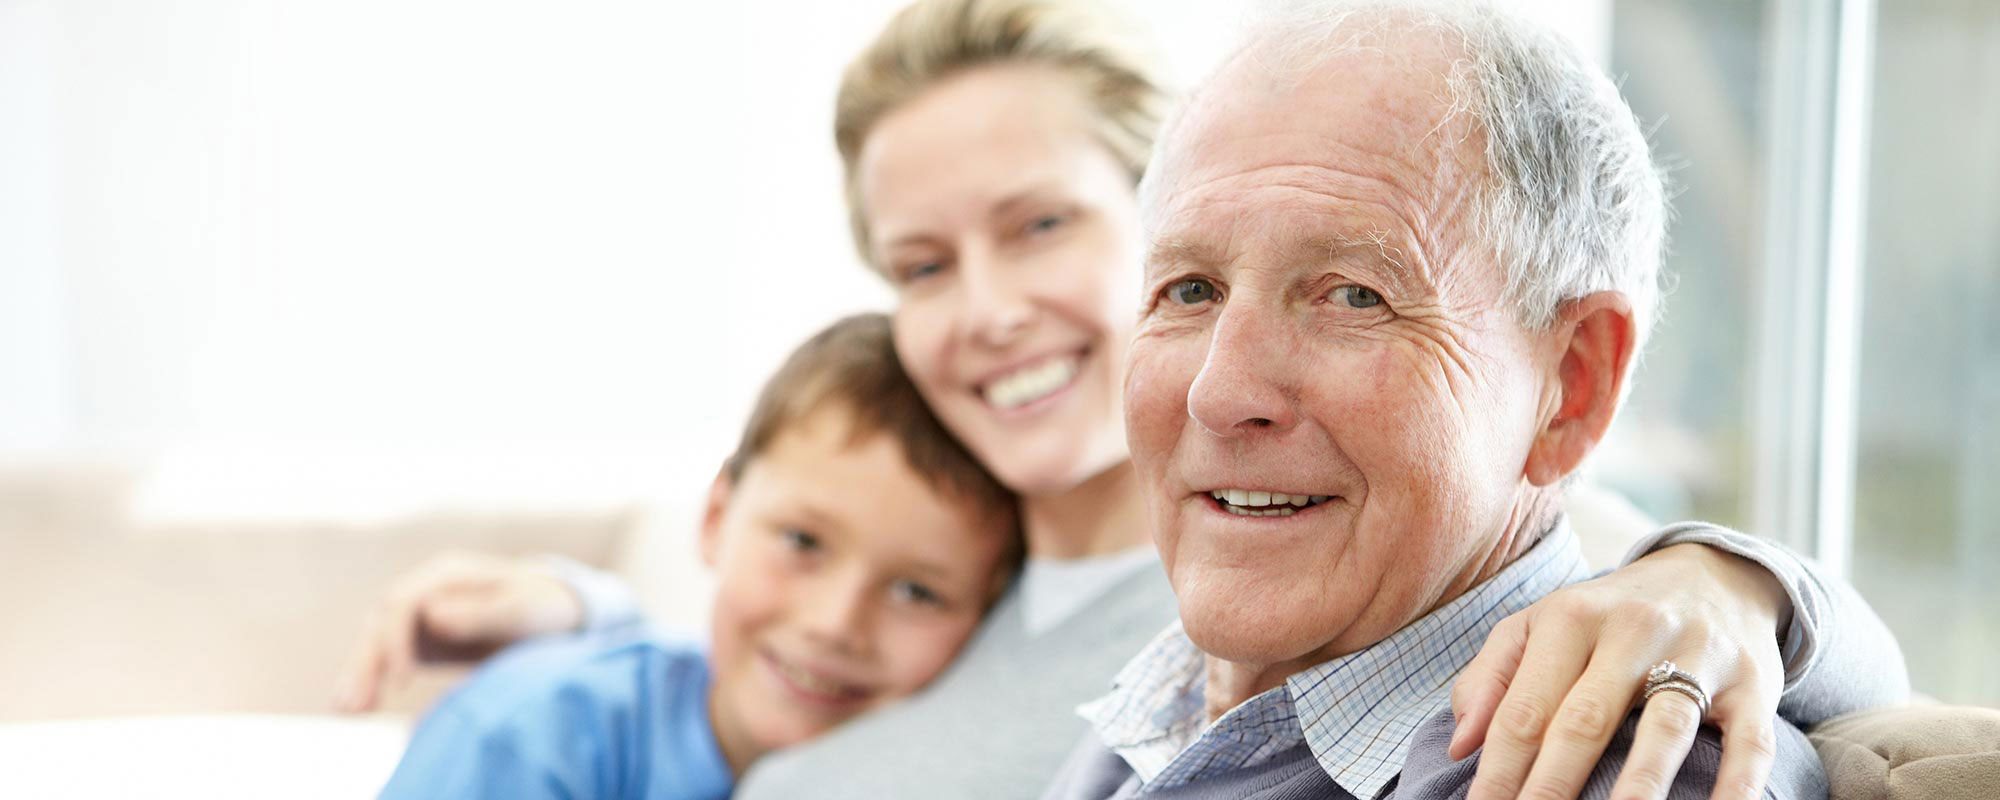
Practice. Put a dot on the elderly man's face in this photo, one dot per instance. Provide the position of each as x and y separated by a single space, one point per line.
1320 325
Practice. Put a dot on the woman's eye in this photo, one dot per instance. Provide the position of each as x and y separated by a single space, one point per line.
913 592
800 541
1357 296
917 272
1191 291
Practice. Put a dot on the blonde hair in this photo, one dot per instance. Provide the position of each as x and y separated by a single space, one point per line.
932 40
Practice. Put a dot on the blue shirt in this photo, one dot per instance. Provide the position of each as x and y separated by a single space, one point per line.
612 714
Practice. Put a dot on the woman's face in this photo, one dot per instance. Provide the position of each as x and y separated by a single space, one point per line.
1012 238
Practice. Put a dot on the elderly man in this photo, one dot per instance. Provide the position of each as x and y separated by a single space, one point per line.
1402 261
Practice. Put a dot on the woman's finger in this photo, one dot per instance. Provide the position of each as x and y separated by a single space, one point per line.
359 679
1482 683
461 617
402 616
1749 745
397 629
1589 715
1549 666
1666 731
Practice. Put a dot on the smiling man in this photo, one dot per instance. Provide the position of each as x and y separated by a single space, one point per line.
1401 262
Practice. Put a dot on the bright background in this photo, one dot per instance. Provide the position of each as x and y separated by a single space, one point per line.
368 260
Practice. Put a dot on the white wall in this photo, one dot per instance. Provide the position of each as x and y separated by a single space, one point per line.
365 257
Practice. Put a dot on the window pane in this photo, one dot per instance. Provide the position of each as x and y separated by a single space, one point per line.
1927 493
1680 449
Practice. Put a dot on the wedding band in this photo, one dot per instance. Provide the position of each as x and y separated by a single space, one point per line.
1665 677
1692 691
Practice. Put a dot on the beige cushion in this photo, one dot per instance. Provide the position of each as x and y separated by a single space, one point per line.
1932 752
105 615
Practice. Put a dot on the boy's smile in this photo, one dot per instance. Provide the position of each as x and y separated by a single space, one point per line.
812 686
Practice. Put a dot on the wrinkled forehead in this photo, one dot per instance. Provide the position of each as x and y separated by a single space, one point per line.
1374 105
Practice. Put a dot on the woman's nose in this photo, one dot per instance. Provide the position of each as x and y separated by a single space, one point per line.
999 310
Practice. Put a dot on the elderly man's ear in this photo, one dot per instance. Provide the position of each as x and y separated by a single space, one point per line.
1594 336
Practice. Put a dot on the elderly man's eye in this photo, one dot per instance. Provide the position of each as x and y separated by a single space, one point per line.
1045 223
1191 291
1357 296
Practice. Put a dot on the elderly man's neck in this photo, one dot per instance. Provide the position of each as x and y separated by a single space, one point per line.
1230 683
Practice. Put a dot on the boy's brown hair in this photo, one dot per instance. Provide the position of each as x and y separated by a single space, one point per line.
852 365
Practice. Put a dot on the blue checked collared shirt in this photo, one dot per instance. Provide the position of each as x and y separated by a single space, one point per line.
1356 713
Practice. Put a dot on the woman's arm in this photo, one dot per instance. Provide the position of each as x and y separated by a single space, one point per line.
1553 682
477 601
1838 654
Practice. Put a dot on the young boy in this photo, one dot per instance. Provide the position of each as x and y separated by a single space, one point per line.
856 546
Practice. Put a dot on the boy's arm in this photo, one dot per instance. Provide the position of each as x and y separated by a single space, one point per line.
606 600
449 756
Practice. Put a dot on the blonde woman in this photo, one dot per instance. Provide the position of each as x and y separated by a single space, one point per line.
992 151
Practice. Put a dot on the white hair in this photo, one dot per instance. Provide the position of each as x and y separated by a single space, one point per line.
1573 203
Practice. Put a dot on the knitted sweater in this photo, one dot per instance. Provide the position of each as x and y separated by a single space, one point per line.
1094 773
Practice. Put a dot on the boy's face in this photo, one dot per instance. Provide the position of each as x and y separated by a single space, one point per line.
845 582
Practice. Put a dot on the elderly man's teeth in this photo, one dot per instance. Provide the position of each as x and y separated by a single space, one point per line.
1031 383
1245 502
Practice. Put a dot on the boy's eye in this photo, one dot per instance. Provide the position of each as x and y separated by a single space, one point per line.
799 541
1356 296
913 592
1191 291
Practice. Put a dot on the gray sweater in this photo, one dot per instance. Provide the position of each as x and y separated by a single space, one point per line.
1095 773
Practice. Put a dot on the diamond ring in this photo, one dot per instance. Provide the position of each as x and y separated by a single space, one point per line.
1666 677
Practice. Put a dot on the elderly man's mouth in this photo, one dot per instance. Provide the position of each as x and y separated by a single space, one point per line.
1249 503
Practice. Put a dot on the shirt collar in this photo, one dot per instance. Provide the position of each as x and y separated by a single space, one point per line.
1356 713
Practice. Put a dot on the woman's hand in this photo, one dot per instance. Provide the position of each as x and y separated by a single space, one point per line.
461 601
1555 681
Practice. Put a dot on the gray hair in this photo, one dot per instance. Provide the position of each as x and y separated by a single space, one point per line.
1573 203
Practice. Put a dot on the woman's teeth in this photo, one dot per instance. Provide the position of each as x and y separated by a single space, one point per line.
1031 383
1246 503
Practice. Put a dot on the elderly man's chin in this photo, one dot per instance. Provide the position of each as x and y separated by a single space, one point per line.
1267 589
1243 620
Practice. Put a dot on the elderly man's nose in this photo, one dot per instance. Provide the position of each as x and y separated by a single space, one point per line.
1241 387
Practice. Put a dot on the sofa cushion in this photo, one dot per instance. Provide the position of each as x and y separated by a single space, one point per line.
1933 752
